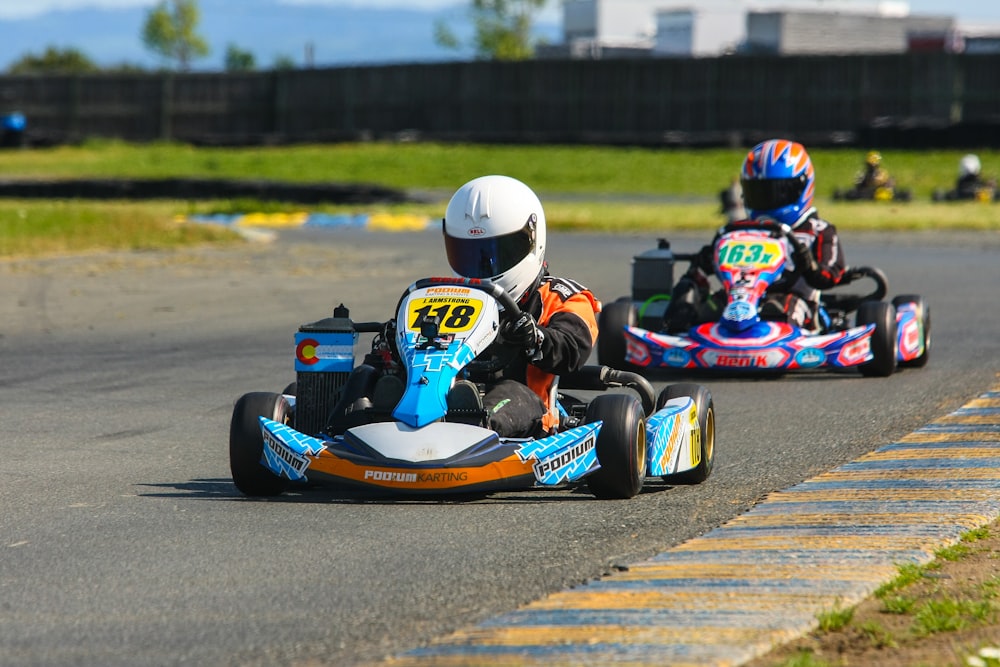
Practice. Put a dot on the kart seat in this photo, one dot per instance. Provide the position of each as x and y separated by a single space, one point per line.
465 404
388 391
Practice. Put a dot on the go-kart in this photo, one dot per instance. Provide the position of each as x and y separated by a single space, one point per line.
413 435
984 192
750 256
880 193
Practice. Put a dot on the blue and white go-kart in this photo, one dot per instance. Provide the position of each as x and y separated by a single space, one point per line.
406 438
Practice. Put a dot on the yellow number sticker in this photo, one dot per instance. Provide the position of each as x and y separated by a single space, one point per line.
755 254
455 314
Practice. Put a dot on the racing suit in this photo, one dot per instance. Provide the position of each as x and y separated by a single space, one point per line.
520 398
793 298
870 180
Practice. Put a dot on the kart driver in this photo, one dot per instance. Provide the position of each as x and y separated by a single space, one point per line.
970 180
778 183
494 228
873 177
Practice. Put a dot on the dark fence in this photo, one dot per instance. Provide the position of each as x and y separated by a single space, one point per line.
907 99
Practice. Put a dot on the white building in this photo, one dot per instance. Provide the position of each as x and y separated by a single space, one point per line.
813 33
701 29
597 28
616 28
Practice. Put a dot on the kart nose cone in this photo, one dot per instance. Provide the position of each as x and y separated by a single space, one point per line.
739 316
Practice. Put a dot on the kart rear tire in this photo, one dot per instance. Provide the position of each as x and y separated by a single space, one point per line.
883 340
621 446
246 443
924 313
702 398
611 346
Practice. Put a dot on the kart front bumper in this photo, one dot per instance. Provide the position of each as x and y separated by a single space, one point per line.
484 462
781 348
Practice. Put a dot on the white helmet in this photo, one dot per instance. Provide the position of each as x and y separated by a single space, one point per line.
494 228
969 165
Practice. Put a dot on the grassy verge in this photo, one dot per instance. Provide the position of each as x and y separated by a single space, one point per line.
945 612
30 228
607 189
548 169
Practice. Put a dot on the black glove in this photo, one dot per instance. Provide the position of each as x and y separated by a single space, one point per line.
851 274
803 258
523 332
704 261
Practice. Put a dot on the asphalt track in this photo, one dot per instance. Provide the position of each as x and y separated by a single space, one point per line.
123 541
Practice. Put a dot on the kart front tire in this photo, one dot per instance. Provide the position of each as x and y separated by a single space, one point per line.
924 313
883 340
246 443
611 346
621 446
702 398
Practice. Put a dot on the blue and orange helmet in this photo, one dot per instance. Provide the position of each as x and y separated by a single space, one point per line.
778 181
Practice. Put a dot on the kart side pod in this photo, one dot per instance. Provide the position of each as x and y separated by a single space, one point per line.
324 358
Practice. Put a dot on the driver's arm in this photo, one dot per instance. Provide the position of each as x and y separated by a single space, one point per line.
830 264
569 326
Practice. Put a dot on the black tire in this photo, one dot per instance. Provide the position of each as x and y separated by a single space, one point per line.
291 389
883 341
621 446
924 313
706 426
246 444
611 325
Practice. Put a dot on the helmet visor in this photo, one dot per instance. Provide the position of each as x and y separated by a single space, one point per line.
491 256
765 194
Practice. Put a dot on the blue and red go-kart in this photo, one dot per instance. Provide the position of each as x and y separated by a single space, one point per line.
423 429
750 256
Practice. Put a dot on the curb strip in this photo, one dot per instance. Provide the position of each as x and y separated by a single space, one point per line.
762 578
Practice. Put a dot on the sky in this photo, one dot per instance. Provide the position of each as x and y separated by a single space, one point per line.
309 37
23 9
965 10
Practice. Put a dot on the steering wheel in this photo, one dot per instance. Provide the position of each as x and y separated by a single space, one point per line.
498 355
777 229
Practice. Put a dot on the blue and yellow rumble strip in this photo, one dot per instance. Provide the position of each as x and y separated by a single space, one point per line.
761 579
379 222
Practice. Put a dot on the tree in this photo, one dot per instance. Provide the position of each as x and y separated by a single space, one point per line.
170 31
502 29
238 60
54 61
283 63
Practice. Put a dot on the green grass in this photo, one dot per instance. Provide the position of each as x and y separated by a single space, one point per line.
31 228
878 635
594 188
930 610
949 615
835 619
548 169
805 659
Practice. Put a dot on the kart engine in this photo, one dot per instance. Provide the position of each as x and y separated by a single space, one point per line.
324 358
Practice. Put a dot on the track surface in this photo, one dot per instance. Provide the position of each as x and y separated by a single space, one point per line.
123 541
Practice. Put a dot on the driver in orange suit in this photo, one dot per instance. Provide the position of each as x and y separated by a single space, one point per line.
494 228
